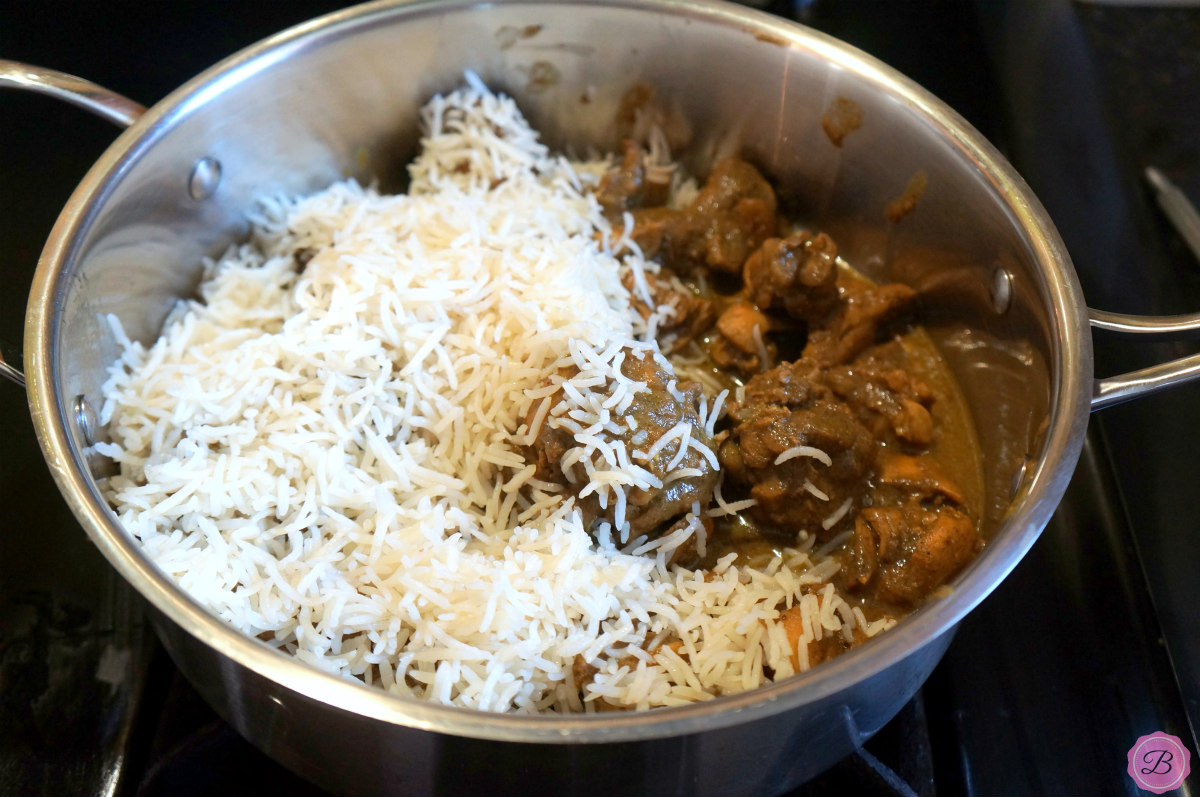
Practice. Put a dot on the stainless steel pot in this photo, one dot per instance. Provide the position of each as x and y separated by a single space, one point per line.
339 96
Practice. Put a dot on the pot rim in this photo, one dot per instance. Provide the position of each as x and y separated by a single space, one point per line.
1043 488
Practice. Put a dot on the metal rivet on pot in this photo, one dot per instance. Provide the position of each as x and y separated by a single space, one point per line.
1002 287
205 177
85 420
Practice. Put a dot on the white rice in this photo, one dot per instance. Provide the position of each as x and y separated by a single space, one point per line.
804 451
330 460
837 515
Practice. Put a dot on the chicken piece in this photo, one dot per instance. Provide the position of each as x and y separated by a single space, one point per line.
655 412
736 210
919 475
688 554
789 384
743 325
943 548
551 445
691 315
730 218
885 395
798 273
784 408
741 344
920 548
584 674
853 327
863 555
582 671
831 643
632 184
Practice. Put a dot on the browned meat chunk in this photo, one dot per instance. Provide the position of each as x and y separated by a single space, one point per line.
584 674
688 554
547 452
919 548
742 340
743 325
863 557
918 475
582 671
631 184
784 408
831 643
736 210
790 384
864 309
691 315
886 396
798 273
655 412
944 547
732 216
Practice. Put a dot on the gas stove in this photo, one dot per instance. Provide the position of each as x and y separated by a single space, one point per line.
1092 642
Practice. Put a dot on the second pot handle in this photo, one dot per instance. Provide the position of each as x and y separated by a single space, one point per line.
79 92
1135 384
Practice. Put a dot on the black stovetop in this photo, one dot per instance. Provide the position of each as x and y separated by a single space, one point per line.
1094 639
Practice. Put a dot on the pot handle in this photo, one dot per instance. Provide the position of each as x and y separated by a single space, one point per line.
79 92
1147 381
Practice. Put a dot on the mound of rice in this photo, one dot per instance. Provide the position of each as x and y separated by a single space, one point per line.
324 448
